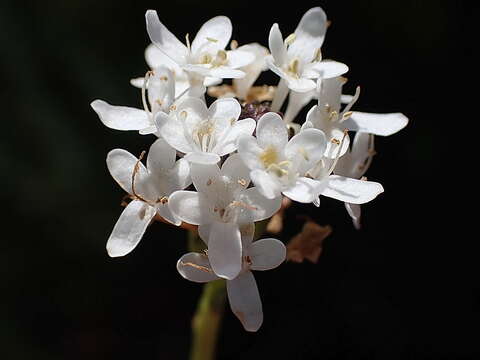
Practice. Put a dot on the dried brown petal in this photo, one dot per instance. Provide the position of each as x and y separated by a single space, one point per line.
308 243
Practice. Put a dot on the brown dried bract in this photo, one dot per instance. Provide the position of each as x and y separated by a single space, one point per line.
275 225
308 243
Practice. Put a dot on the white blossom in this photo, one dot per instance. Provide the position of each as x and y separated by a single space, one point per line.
221 206
205 56
149 187
278 165
243 294
159 86
204 134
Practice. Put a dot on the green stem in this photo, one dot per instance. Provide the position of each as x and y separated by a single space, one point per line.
210 308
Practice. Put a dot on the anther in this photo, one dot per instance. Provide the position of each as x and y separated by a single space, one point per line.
290 39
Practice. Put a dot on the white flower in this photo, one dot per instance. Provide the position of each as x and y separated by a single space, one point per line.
343 188
243 295
206 55
354 164
149 187
155 58
161 95
278 165
222 206
204 134
298 60
328 117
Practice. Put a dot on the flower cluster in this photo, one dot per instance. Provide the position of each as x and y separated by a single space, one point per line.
227 164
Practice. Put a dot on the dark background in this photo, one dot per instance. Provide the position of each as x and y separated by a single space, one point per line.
401 288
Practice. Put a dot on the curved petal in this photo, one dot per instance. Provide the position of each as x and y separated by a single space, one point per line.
121 165
225 72
205 178
245 301
199 157
309 146
192 111
267 254
310 34
225 249
161 156
179 176
351 190
305 190
276 45
355 211
256 206
377 124
250 152
301 85
173 132
326 69
235 169
156 57
213 35
196 267
225 108
164 39
165 212
120 117
130 227
267 186
271 131
239 58
229 142
161 89
190 206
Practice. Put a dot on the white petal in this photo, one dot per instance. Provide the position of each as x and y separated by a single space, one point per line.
276 45
225 72
355 211
238 58
272 131
161 89
305 190
309 146
235 169
205 177
192 111
213 35
281 91
257 206
137 82
121 165
333 149
225 249
204 232
266 184
202 158
355 163
310 34
190 206
229 142
351 190
161 156
225 108
249 150
267 254
164 39
180 175
165 212
155 58
253 70
296 101
377 124
245 301
130 227
120 117
196 267
173 131
328 69
300 85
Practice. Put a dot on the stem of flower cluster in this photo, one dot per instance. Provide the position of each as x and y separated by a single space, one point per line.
208 316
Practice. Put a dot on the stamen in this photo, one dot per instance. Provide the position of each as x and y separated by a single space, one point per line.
242 205
187 40
332 167
350 104
242 182
290 39
196 266
212 39
317 56
293 68
144 88
136 168
163 200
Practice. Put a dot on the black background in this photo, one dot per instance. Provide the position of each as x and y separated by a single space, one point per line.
401 288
